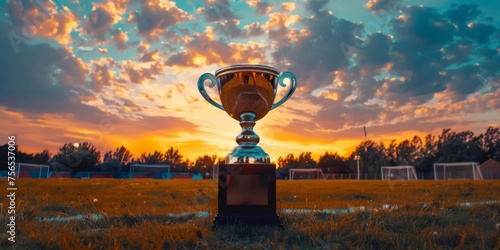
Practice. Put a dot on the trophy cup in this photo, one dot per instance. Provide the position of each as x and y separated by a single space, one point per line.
247 180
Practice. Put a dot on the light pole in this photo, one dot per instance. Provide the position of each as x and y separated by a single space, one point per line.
357 157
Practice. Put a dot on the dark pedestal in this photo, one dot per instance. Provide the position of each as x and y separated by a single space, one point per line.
247 195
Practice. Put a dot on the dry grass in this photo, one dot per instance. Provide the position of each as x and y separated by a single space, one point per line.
136 215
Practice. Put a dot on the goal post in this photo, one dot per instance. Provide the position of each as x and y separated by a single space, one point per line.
152 170
399 173
215 172
457 170
306 173
32 170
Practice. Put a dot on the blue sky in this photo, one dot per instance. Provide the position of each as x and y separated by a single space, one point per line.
123 72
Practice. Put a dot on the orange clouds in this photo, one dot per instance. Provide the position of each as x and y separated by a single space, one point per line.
378 6
101 75
201 51
51 131
46 20
103 17
281 20
119 39
139 74
262 8
288 6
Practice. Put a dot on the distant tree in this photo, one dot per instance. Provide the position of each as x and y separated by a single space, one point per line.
116 161
290 161
76 157
204 163
429 152
41 158
280 162
391 154
173 157
152 158
458 147
411 153
490 144
20 157
122 155
334 161
372 157
306 161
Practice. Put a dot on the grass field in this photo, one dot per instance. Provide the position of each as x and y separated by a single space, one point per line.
137 214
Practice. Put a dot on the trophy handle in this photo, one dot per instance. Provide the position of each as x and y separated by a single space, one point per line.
282 84
203 92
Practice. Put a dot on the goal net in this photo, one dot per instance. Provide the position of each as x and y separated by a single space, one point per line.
306 173
399 173
149 171
457 170
32 170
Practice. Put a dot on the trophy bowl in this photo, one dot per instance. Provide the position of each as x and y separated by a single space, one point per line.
247 93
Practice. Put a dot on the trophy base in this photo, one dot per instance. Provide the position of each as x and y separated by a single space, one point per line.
247 195
250 155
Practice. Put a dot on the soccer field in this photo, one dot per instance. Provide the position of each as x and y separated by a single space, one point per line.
163 214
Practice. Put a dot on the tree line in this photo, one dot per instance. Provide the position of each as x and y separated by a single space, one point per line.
449 146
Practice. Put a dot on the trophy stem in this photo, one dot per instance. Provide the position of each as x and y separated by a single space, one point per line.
247 150
247 138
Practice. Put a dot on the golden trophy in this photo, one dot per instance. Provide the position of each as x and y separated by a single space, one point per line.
247 180
247 93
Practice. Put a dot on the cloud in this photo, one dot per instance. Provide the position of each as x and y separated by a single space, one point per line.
425 26
261 8
383 6
41 79
147 97
254 29
227 23
49 131
376 50
101 20
316 6
461 15
316 53
143 47
150 56
471 23
42 19
154 18
130 105
278 27
378 78
102 50
230 28
287 6
119 39
217 11
432 55
201 50
136 73
102 75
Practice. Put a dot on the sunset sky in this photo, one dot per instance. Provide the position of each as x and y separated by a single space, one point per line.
124 72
